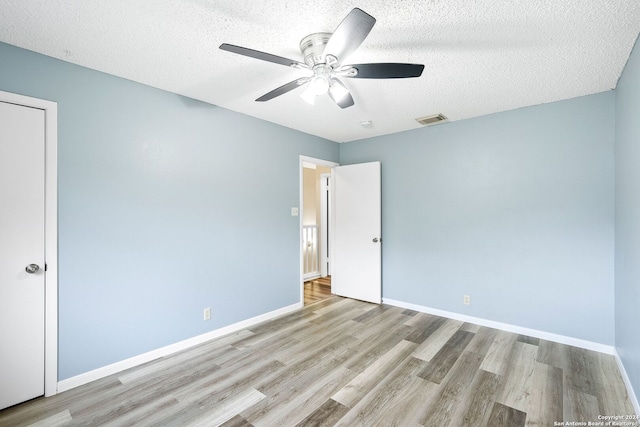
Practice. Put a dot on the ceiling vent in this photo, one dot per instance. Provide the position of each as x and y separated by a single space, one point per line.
432 120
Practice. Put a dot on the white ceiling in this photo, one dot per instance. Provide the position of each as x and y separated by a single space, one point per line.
480 56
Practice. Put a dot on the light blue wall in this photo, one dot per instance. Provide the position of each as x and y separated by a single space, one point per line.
166 206
627 251
514 209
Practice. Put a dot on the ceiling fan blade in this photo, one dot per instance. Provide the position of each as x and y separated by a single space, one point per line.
262 55
386 70
340 94
283 89
350 34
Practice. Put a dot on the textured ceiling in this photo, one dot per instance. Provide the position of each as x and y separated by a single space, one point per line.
480 56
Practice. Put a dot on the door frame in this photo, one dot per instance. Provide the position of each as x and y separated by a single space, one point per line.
319 162
50 109
325 224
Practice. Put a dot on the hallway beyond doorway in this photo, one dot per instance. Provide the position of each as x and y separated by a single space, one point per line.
317 289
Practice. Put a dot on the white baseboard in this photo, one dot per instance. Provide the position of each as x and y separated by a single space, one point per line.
576 342
627 382
114 368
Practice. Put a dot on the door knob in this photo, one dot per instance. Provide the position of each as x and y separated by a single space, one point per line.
32 268
375 240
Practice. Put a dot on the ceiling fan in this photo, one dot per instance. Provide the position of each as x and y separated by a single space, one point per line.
324 55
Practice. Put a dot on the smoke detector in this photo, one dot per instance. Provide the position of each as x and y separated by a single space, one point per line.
432 120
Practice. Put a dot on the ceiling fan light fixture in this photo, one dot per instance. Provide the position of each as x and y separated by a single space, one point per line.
319 84
309 95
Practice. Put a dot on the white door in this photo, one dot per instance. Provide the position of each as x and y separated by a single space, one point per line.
356 250
22 298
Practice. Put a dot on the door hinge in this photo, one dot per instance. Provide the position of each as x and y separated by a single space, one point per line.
45 267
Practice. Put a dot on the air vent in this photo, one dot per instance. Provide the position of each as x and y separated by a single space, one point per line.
432 120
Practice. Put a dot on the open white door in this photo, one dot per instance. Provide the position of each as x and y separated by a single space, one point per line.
22 252
356 250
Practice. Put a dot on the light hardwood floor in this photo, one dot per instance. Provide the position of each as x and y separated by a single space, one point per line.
348 363
317 290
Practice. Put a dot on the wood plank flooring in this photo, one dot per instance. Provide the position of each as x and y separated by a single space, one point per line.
317 289
341 362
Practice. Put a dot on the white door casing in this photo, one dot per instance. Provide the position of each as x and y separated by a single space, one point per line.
28 225
356 250
325 222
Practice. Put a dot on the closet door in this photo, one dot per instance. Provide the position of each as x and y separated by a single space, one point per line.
22 264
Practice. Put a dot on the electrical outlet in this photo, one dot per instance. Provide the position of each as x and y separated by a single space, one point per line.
207 313
466 300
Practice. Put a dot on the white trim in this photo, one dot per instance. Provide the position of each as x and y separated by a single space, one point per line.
325 221
51 233
132 362
309 165
627 383
319 162
562 339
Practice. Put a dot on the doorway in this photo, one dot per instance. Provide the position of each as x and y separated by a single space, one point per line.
44 267
315 211
355 237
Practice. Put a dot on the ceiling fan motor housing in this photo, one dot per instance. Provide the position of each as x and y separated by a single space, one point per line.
312 48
